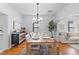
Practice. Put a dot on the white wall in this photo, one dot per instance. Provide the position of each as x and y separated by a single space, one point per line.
27 22
68 10
12 16
68 13
4 32
62 26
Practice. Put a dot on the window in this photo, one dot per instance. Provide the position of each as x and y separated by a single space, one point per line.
71 27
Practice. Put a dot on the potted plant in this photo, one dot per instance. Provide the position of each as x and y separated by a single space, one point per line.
51 27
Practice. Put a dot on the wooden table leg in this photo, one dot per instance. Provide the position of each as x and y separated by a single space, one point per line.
29 49
49 50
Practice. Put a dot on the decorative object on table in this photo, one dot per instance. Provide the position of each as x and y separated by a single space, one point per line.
35 36
23 30
51 27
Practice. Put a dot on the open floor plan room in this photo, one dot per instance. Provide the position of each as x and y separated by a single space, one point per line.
39 29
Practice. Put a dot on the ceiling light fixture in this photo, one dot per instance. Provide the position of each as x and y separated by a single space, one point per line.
37 18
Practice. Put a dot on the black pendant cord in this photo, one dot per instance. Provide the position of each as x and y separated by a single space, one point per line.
37 11
37 15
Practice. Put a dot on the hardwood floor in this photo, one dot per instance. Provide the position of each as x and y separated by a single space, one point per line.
14 50
64 49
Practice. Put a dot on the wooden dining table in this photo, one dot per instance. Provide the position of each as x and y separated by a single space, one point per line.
43 41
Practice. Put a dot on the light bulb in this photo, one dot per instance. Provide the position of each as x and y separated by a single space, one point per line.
34 19
40 18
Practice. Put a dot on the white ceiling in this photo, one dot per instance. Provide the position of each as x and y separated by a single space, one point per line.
30 8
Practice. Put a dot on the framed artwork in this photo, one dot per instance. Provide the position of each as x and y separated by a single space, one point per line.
16 25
